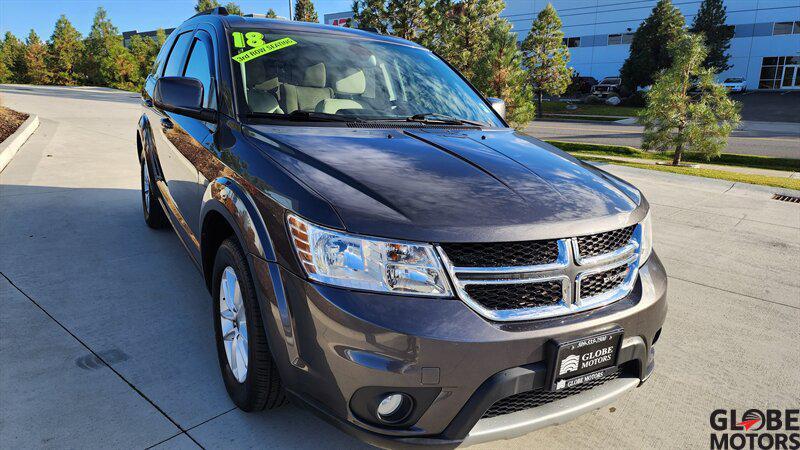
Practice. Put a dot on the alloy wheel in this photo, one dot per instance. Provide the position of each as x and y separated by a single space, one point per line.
234 323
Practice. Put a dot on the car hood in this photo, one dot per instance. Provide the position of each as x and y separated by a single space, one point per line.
445 185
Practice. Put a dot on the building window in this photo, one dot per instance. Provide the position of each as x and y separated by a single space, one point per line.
619 39
572 42
782 28
772 71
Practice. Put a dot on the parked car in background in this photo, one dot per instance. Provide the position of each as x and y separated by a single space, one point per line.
381 247
737 84
608 87
581 85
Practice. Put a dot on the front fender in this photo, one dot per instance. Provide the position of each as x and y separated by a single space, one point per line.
226 197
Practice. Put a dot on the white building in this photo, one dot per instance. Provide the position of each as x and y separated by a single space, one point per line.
765 49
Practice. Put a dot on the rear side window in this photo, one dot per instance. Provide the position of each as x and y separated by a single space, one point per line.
178 55
200 68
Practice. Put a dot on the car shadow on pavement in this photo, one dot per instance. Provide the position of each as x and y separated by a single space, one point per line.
135 298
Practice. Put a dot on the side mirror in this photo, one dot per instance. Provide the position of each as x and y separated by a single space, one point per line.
183 96
498 105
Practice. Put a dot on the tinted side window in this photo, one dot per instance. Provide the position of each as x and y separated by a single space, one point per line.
162 56
199 67
177 56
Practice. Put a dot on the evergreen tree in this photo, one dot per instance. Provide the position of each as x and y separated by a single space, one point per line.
500 74
546 55
649 52
64 53
710 22
677 120
205 5
161 38
371 14
35 71
108 62
271 14
406 18
461 37
233 8
144 51
11 55
304 11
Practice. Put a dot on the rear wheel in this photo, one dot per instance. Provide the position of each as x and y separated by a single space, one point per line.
153 213
249 373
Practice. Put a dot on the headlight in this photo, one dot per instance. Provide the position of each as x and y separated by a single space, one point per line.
646 239
357 262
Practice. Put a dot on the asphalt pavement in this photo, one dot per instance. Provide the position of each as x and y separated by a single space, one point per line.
778 139
106 326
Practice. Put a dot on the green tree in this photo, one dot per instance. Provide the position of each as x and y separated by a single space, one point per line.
710 22
205 5
108 62
233 8
11 59
500 74
649 52
304 11
371 14
34 60
406 18
546 55
64 53
686 108
143 51
271 14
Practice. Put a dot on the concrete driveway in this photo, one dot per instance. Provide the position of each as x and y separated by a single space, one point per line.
106 327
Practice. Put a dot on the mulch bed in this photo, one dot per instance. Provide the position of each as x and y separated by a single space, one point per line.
10 120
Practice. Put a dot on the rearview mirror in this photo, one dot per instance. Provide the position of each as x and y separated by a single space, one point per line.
498 105
184 96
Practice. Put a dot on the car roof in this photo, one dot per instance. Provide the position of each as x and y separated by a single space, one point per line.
239 22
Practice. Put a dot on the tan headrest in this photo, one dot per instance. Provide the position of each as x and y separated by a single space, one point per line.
353 82
315 76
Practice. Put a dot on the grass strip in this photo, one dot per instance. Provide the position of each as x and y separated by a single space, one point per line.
725 159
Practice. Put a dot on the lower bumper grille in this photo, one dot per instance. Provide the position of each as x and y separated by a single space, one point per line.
516 295
532 399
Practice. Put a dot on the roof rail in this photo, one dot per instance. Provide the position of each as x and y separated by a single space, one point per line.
218 11
370 29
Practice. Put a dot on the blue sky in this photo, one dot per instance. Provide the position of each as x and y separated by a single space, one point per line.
19 16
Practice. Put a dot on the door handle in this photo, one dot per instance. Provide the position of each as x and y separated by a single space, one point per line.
167 124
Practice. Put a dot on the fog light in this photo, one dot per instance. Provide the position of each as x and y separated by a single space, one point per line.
393 408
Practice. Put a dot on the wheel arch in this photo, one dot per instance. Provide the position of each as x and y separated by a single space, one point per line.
227 209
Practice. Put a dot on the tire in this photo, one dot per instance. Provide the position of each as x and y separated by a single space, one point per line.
260 385
154 215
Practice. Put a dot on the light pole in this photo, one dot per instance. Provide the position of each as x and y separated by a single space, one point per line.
291 16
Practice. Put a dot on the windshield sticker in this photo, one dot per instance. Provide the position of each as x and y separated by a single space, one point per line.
263 49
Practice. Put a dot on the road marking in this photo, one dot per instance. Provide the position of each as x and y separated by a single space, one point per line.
609 130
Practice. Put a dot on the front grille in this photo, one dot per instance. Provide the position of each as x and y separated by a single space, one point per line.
515 296
601 243
502 254
601 282
532 399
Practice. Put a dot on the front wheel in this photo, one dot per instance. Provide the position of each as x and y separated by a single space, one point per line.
250 375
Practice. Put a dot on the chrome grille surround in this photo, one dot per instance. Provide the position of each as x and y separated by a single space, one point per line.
570 269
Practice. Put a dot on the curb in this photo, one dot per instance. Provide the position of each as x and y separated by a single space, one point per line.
11 146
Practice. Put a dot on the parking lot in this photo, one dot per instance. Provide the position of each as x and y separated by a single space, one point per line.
106 326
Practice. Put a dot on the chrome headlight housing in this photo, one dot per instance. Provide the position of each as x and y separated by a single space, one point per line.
646 244
358 262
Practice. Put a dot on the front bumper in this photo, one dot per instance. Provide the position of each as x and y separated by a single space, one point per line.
329 343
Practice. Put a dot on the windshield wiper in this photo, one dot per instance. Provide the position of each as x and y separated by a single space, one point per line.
307 116
442 118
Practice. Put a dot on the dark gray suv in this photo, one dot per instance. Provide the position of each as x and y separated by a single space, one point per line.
381 247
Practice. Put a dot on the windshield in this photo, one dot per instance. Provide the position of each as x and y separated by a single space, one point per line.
309 76
734 80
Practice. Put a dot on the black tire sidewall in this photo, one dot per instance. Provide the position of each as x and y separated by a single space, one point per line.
242 394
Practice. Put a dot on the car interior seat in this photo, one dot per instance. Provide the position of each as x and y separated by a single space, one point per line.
310 93
351 83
